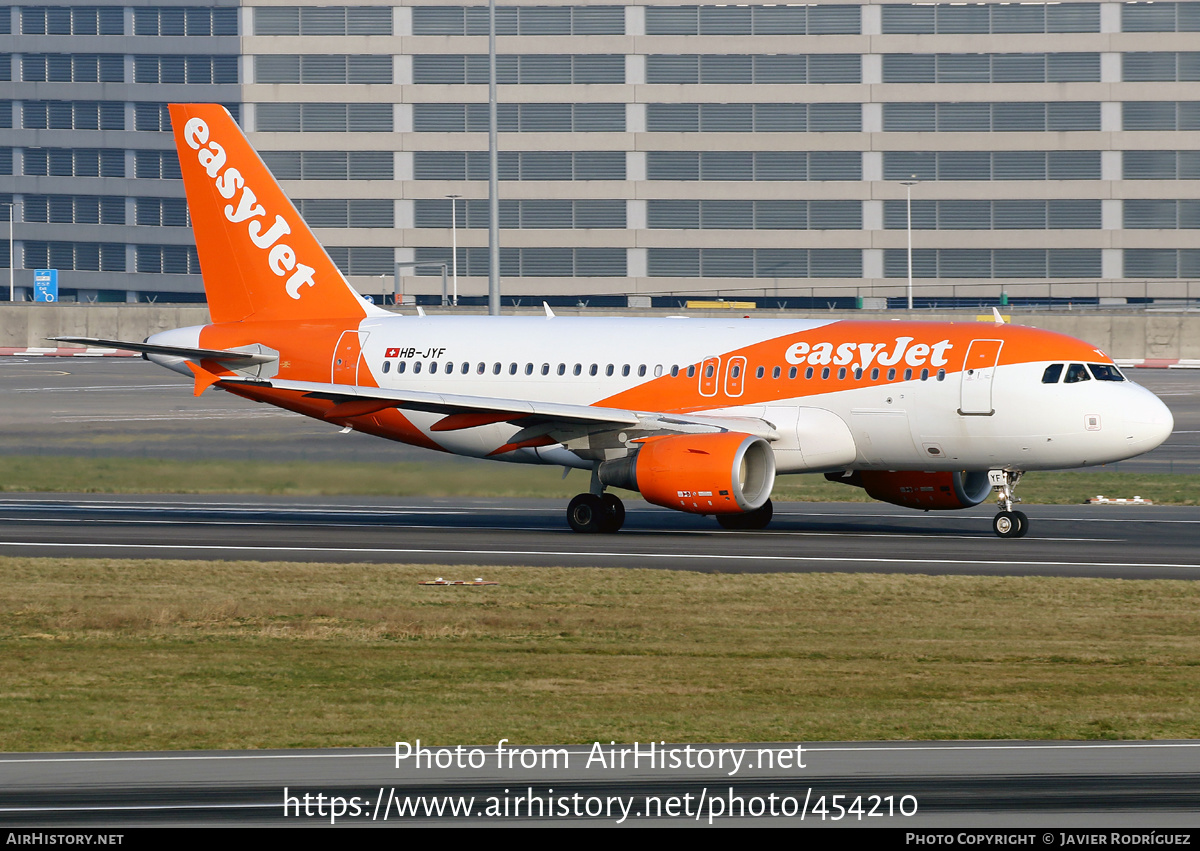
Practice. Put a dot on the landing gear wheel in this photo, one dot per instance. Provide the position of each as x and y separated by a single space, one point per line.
750 521
587 513
614 513
1010 524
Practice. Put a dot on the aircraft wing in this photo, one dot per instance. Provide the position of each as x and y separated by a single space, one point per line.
462 411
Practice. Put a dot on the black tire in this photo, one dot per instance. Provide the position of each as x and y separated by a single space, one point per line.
586 513
1023 521
751 520
614 513
1007 524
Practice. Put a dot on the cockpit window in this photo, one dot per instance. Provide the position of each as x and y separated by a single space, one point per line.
1105 372
1052 374
1077 372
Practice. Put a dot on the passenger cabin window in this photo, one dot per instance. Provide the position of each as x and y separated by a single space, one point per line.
529 369
1105 372
387 366
625 370
496 368
466 367
545 369
691 371
578 369
642 371
1077 372
674 371
608 370
400 367
416 367
792 372
593 369
562 369
481 369
1052 374
512 369
658 370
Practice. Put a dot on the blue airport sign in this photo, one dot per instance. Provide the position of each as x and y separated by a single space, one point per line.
45 285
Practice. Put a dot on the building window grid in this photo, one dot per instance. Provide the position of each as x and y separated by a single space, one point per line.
991 165
1029 263
991 67
348 212
520 165
190 21
74 209
192 69
754 118
530 262
323 20
982 214
161 212
519 69
76 256
323 69
72 115
72 20
754 165
1161 66
754 215
525 213
754 20
754 69
69 67
1160 17
520 20
985 18
1027 116
324 118
1160 115
1161 213
520 117
755 262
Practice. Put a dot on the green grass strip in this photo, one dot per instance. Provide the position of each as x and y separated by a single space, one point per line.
470 478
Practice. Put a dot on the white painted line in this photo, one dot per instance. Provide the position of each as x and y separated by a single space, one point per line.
597 554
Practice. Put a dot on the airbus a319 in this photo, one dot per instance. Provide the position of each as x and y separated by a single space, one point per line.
698 415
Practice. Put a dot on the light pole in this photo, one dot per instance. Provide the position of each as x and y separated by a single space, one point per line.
12 259
454 243
908 185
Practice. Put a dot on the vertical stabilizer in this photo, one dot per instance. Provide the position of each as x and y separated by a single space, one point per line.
259 259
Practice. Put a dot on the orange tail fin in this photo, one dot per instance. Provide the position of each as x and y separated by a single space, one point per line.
258 258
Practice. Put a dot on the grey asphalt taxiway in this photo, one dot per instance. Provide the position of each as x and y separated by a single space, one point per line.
1014 786
1142 542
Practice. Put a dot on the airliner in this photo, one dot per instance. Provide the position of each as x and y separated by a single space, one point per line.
697 415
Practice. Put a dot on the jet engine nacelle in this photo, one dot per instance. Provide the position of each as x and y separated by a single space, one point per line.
929 491
723 473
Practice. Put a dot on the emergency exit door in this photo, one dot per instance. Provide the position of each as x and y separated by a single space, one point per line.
978 377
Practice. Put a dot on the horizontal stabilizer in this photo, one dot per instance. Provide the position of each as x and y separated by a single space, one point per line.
217 355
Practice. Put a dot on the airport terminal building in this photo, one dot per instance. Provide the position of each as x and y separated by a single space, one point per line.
646 150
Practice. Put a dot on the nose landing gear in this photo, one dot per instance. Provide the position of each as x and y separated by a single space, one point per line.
1008 523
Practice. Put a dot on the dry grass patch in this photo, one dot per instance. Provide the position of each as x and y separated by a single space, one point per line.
107 654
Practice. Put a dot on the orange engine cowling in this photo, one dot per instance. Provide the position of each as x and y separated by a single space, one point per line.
941 490
724 473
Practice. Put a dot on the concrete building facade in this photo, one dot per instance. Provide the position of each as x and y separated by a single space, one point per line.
647 150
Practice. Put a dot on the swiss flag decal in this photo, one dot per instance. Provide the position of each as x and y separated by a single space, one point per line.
392 353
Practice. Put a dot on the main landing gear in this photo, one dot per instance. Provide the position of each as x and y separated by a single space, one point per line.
591 513
596 511
1008 523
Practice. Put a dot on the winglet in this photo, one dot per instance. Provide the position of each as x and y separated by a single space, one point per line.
549 312
420 310
999 318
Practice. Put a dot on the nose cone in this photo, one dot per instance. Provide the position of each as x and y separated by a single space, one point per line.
1148 422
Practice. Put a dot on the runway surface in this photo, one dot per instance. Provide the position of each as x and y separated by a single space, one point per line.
905 785
1143 542
127 407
